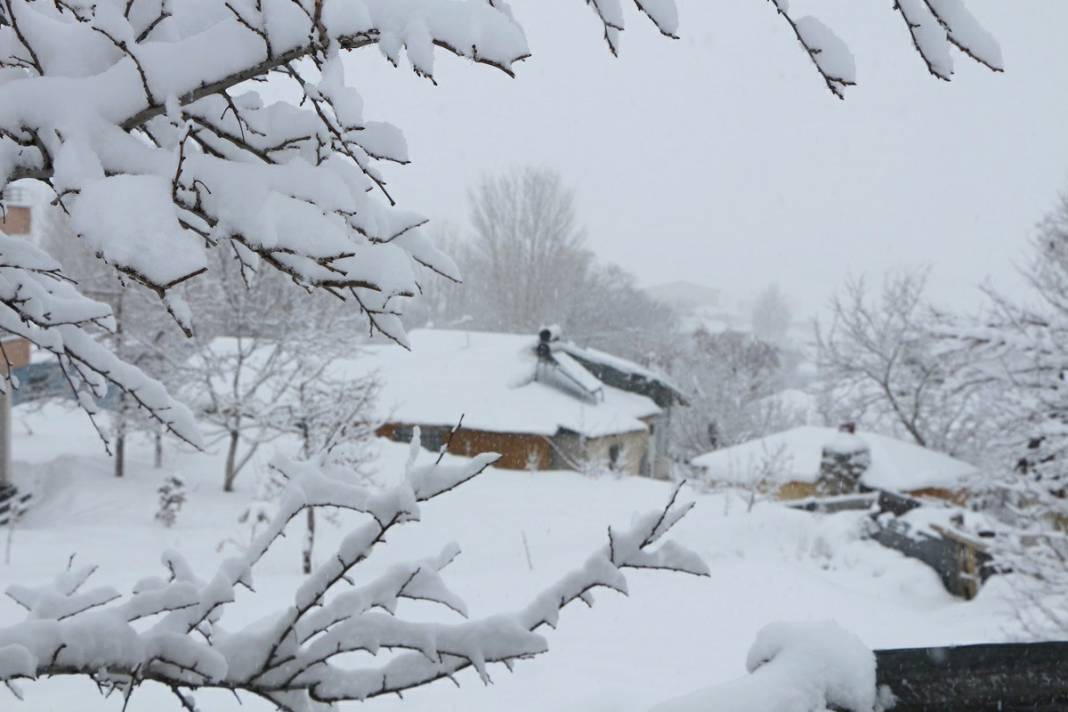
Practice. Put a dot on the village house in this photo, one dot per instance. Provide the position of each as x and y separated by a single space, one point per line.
811 461
541 402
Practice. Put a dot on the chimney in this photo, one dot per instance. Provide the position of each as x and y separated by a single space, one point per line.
547 335
844 461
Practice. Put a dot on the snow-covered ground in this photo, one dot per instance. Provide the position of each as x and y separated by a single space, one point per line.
673 634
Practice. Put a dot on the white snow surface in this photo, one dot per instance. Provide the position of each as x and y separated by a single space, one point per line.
794 456
794 667
682 633
489 379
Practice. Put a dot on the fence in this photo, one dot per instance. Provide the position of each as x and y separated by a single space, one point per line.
1013 676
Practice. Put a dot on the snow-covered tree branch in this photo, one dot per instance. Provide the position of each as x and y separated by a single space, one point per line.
291 658
140 116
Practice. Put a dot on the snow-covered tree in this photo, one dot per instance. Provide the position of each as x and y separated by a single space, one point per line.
260 368
143 334
527 247
535 269
771 316
1019 351
141 118
883 364
730 376
168 631
333 417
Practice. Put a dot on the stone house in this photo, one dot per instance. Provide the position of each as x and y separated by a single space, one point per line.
541 402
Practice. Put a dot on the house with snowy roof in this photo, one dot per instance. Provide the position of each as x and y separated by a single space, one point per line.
538 400
817 461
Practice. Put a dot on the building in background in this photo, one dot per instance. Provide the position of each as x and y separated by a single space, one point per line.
814 461
541 402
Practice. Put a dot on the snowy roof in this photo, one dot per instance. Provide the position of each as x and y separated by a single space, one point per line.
794 455
497 383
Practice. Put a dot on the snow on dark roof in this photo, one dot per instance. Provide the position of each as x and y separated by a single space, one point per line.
621 373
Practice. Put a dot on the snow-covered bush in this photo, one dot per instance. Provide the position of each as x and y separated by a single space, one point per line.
795 667
169 631
171 499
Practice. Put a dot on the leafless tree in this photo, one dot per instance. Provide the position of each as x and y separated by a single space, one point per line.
333 415
1019 351
143 335
527 246
771 316
729 375
261 363
534 270
883 365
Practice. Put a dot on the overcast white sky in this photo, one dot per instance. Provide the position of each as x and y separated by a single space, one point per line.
721 158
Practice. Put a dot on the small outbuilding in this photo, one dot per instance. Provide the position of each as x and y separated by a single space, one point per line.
813 461
538 400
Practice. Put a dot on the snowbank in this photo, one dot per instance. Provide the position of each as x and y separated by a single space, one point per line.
794 667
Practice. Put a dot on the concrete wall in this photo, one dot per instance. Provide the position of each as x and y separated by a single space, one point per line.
628 449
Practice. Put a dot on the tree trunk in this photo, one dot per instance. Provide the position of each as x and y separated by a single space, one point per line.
309 538
120 438
231 461
157 461
120 422
309 542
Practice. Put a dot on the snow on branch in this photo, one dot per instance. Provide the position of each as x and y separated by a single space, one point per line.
142 118
139 115
935 26
292 658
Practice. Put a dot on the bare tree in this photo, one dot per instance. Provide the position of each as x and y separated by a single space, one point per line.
883 364
527 247
534 270
263 353
333 414
771 316
729 374
142 335
1019 351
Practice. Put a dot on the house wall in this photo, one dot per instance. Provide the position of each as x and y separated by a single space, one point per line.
632 449
15 220
526 451
519 451
803 490
659 461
